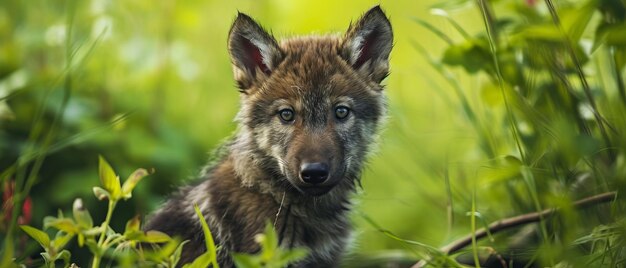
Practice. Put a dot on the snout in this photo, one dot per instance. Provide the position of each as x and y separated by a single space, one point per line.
316 178
314 173
314 162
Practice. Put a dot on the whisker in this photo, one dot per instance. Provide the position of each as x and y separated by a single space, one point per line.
282 201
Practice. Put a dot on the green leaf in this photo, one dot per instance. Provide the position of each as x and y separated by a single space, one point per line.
472 55
293 255
81 215
40 236
64 224
156 237
134 235
208 238
133 232
616 35
61 240
101 194
109 180
246 261
164 252
168 249
576 19
270 235
132 225
201 261
268 241
93 231
81 240
175 257
132 181
542 32
64 255
47 258
93 247
611 35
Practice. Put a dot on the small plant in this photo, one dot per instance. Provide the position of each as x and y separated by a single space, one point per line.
127 247
102 238
271 255
550 123
210 256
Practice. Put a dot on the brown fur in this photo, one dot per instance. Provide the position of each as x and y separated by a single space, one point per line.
261 175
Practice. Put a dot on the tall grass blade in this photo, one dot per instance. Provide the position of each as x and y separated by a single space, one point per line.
492 36
434 30
581 75
473 227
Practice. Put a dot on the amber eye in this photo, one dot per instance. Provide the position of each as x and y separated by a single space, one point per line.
341 112
286 115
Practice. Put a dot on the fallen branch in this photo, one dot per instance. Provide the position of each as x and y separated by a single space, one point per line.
507 223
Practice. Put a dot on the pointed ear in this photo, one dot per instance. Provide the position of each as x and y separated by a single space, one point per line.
367 44
254 52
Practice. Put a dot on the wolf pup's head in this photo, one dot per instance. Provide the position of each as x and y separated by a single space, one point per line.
311 106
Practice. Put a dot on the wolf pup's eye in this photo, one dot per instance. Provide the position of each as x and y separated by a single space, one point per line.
341 112
286 115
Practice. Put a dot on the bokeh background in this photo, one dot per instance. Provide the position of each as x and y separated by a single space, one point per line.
149 84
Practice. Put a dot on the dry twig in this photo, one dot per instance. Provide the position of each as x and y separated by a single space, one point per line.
507 223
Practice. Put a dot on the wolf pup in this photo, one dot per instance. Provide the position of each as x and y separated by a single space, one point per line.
310 110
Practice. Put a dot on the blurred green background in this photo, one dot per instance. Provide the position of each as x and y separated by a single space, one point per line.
149 84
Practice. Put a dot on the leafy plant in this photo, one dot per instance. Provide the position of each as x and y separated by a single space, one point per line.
210 256
126 247
53 249
550 121
100 239
271 255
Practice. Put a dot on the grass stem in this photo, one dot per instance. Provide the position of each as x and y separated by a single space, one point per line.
493 45
105 225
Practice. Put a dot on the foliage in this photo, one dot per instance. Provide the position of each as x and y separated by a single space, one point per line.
209 258
126 247
552 123
271 255
515 107
101 239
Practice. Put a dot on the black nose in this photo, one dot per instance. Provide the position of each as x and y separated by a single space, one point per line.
314 173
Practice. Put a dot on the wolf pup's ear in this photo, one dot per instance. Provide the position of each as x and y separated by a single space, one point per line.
367 44
254 52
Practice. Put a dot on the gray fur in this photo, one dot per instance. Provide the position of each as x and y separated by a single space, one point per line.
257 176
